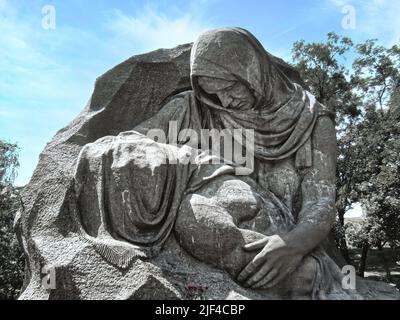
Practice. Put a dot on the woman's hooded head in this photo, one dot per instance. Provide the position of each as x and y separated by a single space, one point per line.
234 54
280 111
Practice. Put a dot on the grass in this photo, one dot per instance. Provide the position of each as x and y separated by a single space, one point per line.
375 267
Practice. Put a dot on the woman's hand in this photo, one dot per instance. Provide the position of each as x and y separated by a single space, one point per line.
274 263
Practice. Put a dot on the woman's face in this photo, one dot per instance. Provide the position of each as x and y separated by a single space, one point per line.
231 94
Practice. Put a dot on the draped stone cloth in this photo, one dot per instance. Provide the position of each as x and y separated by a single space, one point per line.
284 114
128 190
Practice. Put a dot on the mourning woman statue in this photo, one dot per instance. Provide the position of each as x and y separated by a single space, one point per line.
264 229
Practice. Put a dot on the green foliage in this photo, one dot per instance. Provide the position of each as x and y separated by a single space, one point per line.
375 145
8 162
322 66
355 235
11 257
371 148
377 71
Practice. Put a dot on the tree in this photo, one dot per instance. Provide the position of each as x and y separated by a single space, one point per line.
374 148
8 163
322 66
11 257
377 70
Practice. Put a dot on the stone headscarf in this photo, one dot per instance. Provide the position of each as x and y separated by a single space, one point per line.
283 116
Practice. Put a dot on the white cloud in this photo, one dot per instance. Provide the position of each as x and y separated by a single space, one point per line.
381 17
151 29
376 18
40 65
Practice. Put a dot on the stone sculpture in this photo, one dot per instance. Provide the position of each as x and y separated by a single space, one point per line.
118 215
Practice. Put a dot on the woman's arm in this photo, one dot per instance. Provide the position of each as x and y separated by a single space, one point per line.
318 188
282 254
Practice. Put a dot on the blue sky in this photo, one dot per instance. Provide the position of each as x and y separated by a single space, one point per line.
47 76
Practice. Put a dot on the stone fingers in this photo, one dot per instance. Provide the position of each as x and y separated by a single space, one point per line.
256 245
260 274
269 277
276 280
251 267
